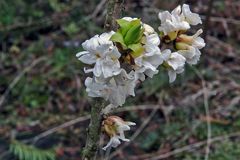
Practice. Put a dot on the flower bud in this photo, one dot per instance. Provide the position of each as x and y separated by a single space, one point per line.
166 65
181 46
185 38
114 127
188 39
171 36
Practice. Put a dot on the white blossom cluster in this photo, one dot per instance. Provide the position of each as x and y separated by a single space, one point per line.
118 60
111 79
173 27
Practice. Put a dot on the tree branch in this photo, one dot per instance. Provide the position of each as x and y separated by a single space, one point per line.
94 129
113 12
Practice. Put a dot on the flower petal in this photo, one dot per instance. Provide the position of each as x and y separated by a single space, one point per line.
114 142
86 57
172 76
191 18
176 61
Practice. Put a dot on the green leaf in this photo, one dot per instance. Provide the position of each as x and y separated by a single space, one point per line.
133 34
137 49
124 26
50 155
29 152
21 155
122 22
117 37
140 36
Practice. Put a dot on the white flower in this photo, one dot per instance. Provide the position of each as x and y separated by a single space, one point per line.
198 42
152 39
115 89
148 62
172 74
121 86
126 82
107 90
192 55
148 29
101 52
178 19
115 126
174 63
189 46
172 22
191 18
96 88
114 142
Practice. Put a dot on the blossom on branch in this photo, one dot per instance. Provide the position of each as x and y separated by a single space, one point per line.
178 21
118 60
101 52
189 46
115 127
174 63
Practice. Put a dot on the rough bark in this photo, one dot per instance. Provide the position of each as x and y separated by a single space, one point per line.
114 11
93 132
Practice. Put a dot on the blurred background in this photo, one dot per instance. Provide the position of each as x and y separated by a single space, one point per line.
44 107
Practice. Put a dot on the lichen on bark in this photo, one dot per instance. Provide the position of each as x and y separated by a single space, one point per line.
94 129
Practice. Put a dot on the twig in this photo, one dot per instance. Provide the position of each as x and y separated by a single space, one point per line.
222 19
29 24
124 109
233 102
98 9
84 118
64 125
16 80
134 136
223 44
87 117
189 147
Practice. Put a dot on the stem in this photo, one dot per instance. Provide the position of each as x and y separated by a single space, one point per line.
114 10
94 129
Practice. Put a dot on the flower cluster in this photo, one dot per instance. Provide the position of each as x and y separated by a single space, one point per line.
119 60
173 28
